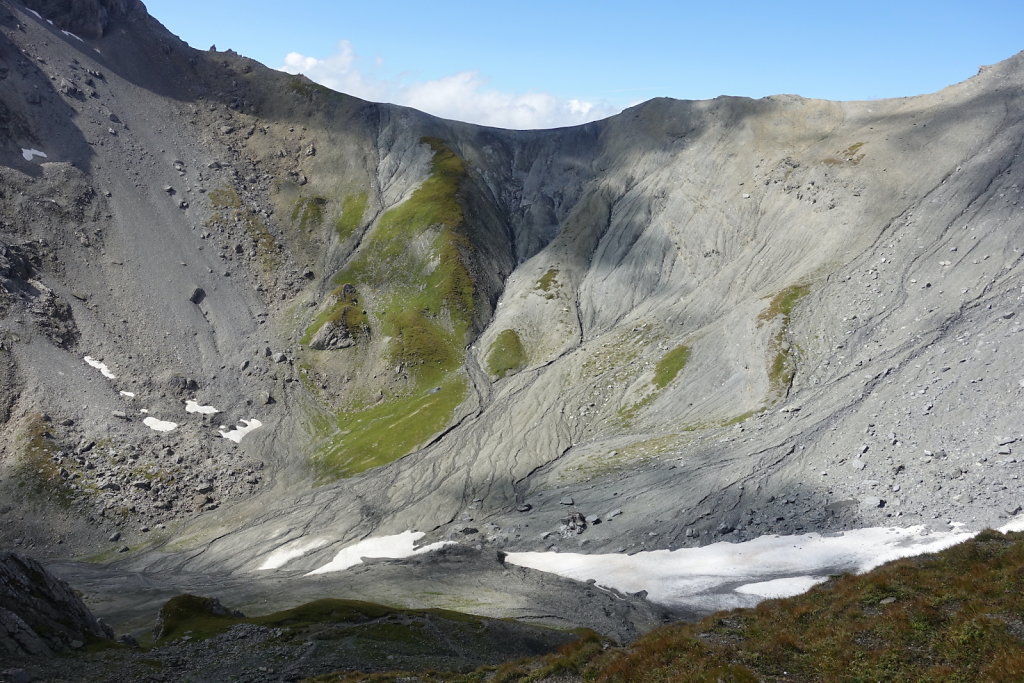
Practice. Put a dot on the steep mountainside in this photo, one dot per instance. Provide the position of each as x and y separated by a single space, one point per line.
243 317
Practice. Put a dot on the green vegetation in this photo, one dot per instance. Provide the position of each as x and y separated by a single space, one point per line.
507 354
36 468
199 617
351 215
667 369
355 441
345 312
847 156
227 199
671 365
548 282
414 266
782 368
308 212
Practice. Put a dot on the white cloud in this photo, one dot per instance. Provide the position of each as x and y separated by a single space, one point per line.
463 96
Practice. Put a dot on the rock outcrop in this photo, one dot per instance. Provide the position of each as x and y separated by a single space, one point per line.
39 613
84 18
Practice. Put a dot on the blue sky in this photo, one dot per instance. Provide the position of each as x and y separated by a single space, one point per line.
538 64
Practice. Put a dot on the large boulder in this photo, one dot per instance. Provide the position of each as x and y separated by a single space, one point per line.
39 613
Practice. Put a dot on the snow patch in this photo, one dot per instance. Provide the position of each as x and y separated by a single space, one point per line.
240 430
709 578
782 588
1016 524
392 547
72 35
101 366
194 407
37 15
144 411
159 425
127 394
28 154
291 551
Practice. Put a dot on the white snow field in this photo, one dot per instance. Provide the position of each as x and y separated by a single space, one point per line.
726 575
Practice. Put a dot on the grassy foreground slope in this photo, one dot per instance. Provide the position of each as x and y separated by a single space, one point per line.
957 615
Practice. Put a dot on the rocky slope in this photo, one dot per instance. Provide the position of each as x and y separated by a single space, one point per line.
693 321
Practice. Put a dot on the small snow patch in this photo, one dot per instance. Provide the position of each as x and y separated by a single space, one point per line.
101 366
128 394
194 407
391 547
28 154
238 432
286 554
782 588
37 15
159 425
72 35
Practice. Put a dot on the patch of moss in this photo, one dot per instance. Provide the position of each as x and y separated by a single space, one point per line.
782 368
353 209
847 156
36 469
671 364
548 283
346 312
355 441
308 212
507 355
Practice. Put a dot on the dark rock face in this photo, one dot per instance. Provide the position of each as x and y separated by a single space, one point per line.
85 18
39 613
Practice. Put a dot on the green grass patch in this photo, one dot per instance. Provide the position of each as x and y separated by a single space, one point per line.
346 312
671 364
847 156
308 212
507 354
782 367
414 265
353 209
355 441
548 283
548 280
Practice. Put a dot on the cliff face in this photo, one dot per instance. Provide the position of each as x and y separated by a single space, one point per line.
39 613
716 319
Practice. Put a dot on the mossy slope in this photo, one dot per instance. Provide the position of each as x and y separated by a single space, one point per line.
414 271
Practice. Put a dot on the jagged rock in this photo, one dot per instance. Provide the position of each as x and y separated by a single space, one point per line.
331 336
39 613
